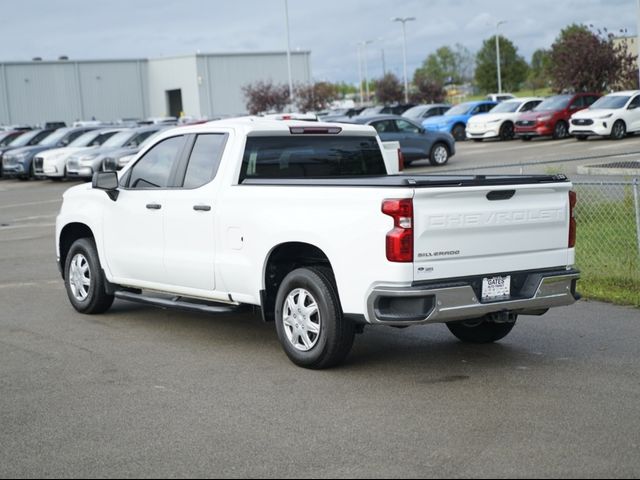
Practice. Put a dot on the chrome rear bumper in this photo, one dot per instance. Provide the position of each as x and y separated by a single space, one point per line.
404 306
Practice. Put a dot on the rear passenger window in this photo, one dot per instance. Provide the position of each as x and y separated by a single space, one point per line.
204 160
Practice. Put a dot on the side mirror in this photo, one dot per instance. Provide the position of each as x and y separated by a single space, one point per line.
107 181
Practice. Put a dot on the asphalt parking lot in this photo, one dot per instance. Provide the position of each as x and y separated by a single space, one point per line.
142 392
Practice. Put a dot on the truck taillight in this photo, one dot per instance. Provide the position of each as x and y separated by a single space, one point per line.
400 161
573 200
400 239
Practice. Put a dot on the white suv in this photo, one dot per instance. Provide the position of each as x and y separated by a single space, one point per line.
612 116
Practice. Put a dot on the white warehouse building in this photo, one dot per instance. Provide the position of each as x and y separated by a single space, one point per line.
198 85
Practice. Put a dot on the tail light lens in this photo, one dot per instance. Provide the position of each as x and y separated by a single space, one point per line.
573 200
400 239
400 161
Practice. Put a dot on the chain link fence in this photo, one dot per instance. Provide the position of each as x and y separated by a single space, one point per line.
608 245
608 218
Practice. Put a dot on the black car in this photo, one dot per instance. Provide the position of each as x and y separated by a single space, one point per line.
416 143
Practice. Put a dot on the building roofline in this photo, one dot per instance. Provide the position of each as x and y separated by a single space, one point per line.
145 60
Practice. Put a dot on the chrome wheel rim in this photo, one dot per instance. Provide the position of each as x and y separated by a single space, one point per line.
562 130
301 320
440 155
80 277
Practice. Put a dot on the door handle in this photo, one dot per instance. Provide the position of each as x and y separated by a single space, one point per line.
202 208
154 206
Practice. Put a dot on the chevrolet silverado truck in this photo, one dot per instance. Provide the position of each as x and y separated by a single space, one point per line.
304 223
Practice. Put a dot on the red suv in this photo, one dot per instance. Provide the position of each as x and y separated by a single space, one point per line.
551 117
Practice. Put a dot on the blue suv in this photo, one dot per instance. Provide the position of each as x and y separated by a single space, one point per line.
455 120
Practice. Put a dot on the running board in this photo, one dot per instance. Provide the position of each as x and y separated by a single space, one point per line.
177 303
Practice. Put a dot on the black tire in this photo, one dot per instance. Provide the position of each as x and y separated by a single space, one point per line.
336 334
97 300
618 131
481 331
581 138
478 140
459 132
506 131
561 130
525 139
439 155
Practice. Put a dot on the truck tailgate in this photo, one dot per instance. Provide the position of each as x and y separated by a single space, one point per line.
482 230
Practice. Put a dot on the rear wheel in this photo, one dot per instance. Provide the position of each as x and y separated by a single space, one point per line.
84 279
309 320
619 130
482 330
459 132
561 130
506 131
581 138
439 155
525 139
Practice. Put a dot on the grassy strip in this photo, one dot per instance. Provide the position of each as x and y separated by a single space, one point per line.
607 250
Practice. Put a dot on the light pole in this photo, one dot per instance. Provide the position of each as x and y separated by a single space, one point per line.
638 41
404 52
502 22
360 74
286 13
366 66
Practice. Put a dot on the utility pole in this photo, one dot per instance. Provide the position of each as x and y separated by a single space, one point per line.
502 22
404 52
286 12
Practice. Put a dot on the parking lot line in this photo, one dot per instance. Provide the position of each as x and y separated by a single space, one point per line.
5 286
18 205
33 225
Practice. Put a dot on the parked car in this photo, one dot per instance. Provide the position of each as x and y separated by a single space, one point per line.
8 136
127 142
52 163
334 114
500 121
415 142
455 120
422 112
551 117
397 109
19 162
612 116
500 97
303 222
55 125
29 138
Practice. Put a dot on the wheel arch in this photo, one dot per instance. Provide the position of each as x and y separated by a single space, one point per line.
281 260
68 235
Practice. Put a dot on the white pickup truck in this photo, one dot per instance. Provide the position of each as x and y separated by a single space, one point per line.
304 223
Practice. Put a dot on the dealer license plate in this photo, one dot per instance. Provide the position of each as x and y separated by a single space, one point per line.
496 288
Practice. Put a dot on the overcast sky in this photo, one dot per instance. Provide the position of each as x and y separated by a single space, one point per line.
330 29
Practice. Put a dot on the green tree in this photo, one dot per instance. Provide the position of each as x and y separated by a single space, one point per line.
514 68
539 76
448 65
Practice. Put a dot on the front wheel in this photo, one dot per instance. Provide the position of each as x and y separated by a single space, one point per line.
619 130
309 320
506 131
439 155
459 132
560 131
84 279
482 330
